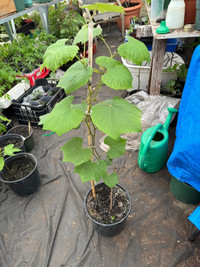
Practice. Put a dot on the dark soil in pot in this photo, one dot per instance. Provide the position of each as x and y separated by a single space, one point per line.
22 131
15 139
16 143
18 169
99 208
129 4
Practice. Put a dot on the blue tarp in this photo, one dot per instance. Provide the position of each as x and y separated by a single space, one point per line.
194 217
184 162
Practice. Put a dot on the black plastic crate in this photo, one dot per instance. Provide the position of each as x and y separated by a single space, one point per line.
26 28
26 113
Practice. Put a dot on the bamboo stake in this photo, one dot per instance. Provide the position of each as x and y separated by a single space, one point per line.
90 59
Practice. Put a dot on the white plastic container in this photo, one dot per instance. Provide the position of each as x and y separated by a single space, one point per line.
157 7
175 14
140 74
14 93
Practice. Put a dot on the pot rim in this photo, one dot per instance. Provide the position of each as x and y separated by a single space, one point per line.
15 135
134 7
23 154
21 126
111 224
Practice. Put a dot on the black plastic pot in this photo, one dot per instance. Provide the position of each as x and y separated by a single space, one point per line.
27 185
184 192
11 138
28 140
113 229
41 81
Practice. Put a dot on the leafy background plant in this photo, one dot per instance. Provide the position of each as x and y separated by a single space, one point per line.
176 86
64 22
23 55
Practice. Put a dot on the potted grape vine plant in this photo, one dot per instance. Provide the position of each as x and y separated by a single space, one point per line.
113 117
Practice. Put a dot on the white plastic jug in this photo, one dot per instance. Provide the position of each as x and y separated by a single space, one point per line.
157 9
175 14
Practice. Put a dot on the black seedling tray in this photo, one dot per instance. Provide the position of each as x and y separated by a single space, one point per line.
26 113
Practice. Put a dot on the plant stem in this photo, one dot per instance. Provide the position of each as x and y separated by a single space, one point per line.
101 37
90 58
9 171
97 89
104 103
139 84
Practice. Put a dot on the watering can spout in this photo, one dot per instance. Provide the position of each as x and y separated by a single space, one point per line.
169 117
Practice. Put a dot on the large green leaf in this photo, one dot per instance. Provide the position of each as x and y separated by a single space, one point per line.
105 7
76 76
82 35
1 163
110 180
2 127
64 117
117 75
91 170
115 117
9 150
73 151
82 106
2 118
42 119
134 50
117 147
58 54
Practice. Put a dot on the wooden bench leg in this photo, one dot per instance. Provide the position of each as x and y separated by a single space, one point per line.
158 52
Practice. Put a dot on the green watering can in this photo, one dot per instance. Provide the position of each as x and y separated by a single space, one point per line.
153 149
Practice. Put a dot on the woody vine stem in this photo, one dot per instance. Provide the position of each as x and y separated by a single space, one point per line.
90 92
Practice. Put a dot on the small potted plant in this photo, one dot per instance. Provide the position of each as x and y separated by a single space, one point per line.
113 117
19 171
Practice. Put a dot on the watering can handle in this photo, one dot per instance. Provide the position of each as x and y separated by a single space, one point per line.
146 146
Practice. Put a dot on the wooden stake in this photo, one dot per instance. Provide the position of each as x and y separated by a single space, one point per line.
90 44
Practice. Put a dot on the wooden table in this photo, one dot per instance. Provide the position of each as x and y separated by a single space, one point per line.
159 48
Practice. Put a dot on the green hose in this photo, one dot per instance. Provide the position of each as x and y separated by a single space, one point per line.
48 134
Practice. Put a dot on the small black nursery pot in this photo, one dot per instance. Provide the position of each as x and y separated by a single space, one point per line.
23 130
21 174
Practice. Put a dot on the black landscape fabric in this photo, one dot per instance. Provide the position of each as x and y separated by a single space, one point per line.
50 228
